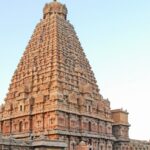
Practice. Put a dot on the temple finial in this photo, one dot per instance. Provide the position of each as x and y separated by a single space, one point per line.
55 7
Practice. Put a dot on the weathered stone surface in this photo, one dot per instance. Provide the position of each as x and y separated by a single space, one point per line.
53 101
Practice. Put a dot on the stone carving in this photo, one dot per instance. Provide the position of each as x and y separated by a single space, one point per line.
87 88
54 96
73 98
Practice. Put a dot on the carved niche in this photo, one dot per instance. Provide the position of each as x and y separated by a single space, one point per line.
73 98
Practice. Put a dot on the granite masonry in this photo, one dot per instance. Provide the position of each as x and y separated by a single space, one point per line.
54 102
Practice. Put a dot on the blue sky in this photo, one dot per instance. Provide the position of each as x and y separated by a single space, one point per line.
115 35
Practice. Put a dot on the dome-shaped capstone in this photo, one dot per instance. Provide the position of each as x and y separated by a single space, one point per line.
55 8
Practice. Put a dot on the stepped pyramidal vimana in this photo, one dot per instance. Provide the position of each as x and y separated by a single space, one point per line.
53 102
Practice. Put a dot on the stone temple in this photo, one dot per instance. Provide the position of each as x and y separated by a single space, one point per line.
54 102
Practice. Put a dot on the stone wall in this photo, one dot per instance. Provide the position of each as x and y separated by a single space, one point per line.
139 145
10 143
53 102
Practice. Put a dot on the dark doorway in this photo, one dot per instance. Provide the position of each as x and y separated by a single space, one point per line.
90 126
20 126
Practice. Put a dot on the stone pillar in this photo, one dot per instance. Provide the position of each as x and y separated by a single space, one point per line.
98 144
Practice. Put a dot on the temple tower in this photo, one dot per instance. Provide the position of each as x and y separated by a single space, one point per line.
53 91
